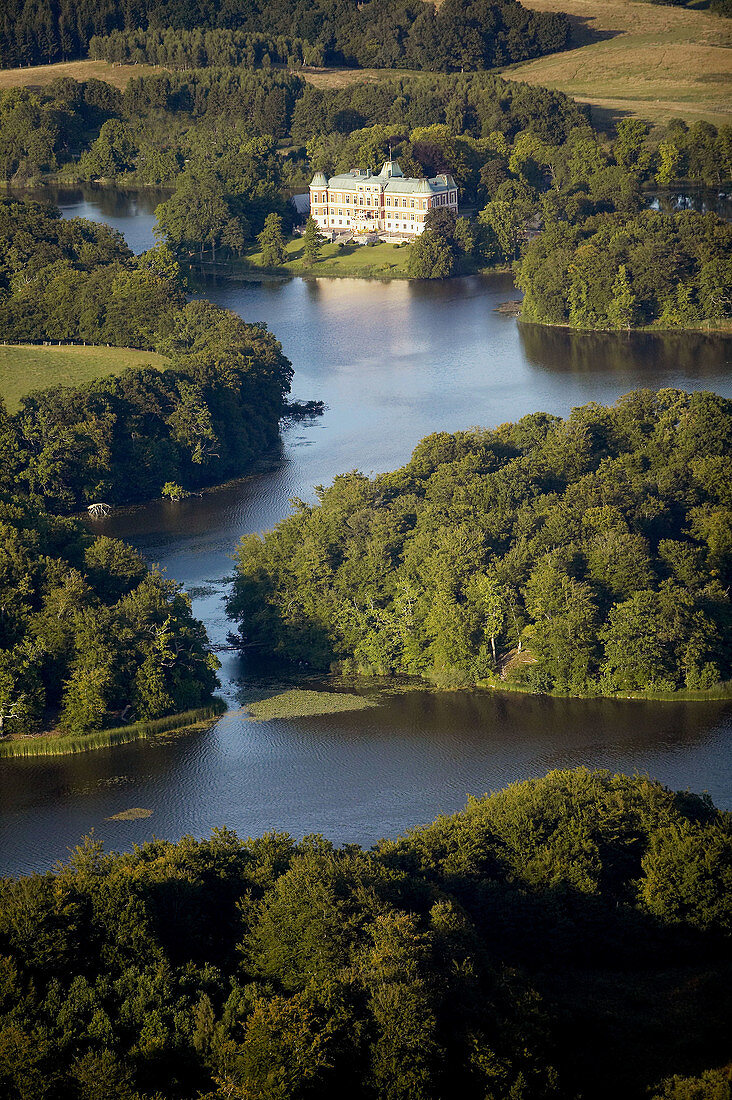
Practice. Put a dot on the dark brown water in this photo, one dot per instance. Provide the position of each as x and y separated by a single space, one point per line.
393 362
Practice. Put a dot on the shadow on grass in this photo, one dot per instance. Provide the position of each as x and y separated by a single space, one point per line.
582 32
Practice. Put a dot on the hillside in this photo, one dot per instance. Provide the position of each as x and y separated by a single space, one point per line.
647 60
30 76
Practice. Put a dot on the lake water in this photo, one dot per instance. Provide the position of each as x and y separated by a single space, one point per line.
393 362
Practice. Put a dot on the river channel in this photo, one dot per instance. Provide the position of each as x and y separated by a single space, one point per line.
393 361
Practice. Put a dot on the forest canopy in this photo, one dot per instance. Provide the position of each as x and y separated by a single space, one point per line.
89 636
566 936
591 555
669 270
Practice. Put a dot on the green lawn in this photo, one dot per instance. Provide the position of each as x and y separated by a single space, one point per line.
28 367
352 259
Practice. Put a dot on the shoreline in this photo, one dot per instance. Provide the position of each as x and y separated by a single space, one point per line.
724 329
44 744
720 694
257 274
402 683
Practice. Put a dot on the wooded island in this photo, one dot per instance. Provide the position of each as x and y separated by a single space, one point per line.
580 556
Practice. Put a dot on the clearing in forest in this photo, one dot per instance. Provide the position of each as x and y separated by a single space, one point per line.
30 76
28 367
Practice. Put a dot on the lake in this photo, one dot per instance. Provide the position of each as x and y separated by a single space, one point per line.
393 362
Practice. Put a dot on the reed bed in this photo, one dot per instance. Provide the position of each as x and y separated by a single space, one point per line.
41 745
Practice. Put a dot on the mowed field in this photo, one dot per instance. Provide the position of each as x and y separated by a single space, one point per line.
648 60
38 75
28 367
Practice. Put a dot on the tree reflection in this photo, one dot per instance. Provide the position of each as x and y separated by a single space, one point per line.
563 351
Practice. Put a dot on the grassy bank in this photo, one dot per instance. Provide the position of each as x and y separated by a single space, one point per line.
299 703
647 60
350 261
28 367
62 745
719 693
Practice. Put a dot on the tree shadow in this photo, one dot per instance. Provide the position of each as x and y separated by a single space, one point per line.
624 990
606 119
583 33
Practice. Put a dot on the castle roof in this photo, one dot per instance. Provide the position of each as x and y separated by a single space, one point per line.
319 180
394 183
390 178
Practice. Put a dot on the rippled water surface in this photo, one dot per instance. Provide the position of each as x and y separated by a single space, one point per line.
393 362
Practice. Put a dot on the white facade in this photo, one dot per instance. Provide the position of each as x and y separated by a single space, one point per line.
387 203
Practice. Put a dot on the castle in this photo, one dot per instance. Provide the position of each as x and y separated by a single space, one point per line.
388 204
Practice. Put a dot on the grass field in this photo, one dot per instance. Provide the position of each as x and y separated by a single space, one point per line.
28 367
352 260
647 60
38 75
341 78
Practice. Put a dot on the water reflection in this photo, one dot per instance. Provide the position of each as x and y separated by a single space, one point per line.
130 212
665 358
703 200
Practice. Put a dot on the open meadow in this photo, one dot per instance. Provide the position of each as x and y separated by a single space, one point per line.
647 60
28 367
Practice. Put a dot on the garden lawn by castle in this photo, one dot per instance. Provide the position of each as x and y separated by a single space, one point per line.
347 260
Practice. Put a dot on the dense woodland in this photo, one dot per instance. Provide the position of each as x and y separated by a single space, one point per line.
89 636
564 938
460 34
118 439
146 133
201 48
607 272
584 556
150 129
